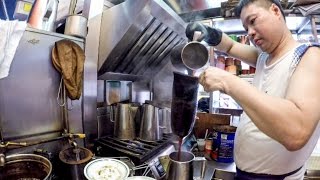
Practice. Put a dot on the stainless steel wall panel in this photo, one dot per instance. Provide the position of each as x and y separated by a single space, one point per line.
101 92
162 85
140 91
90 81
28 95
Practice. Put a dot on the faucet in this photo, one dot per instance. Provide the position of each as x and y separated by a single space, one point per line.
74 144
3 148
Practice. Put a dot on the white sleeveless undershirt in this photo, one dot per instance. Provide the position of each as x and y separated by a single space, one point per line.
256 152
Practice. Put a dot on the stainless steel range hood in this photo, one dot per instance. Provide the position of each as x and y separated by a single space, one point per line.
137 36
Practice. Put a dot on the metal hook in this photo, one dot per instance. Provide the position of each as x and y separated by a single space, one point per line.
60 98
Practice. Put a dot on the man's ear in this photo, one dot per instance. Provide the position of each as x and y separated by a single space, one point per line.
275 10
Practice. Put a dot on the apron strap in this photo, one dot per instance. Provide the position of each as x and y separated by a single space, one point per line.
300 51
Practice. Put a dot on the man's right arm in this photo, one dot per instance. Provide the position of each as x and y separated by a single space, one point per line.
246 53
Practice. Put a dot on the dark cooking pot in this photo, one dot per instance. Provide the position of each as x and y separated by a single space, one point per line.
26 166
74 160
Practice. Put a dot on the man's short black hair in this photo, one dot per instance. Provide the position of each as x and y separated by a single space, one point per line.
244 3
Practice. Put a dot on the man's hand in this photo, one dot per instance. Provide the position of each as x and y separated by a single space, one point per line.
213 79
211 35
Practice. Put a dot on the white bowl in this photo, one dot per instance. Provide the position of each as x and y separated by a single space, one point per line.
106 169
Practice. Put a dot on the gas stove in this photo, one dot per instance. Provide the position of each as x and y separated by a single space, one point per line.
139 151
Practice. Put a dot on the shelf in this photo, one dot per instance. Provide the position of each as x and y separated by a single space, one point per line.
119 77
232 112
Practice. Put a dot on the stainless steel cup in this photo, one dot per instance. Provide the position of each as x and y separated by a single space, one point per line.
192 55
180 167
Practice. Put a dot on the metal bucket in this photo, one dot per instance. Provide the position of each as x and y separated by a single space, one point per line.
26 166
76 25
74 160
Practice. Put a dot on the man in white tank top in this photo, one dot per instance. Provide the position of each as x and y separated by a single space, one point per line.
279 129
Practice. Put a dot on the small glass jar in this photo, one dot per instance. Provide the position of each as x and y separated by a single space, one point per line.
220 62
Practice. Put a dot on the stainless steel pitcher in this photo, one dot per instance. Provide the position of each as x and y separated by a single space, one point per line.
149 129
192 55
180 166
166 120
123 116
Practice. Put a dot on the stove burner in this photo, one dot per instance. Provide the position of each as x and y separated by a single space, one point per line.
137 150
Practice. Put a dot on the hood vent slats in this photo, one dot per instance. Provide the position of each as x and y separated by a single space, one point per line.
162 33
161 53
140 39
142 46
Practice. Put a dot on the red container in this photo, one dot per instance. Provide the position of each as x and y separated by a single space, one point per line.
208 146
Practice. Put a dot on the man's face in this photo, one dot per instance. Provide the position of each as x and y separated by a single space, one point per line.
263 25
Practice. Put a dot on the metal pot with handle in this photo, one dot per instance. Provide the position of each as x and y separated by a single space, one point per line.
26 166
